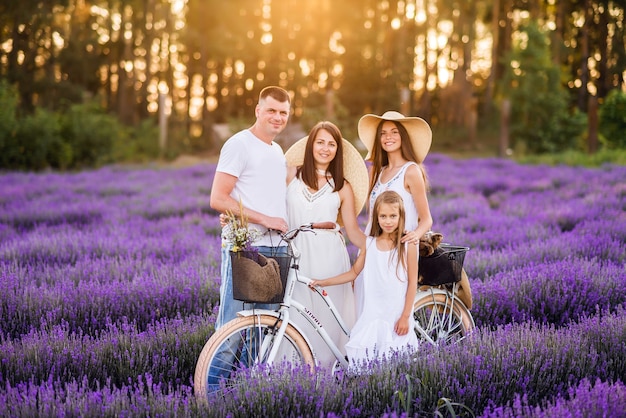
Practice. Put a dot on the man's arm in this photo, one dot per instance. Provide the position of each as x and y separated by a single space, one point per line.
221 201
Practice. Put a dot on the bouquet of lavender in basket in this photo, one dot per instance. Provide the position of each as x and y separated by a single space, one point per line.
238 232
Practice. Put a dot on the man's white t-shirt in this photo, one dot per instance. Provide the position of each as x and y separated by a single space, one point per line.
261 171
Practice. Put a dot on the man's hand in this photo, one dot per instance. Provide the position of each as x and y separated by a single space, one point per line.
278 224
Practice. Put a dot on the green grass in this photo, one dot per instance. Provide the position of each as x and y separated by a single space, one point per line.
455 142
577 158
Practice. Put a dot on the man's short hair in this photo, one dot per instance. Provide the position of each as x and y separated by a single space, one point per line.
276 92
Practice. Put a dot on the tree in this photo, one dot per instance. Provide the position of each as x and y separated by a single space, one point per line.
541 120
27 24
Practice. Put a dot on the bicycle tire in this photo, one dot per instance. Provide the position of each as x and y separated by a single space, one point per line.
442 321
236 333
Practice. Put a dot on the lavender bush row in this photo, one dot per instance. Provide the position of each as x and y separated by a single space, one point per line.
516 368
168 240
91 196
601 399
36 299
77 398
555 292
141 270
491 370
167 350
580 244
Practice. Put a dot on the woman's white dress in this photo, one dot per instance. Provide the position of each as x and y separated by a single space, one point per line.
384 294
324 255
410 222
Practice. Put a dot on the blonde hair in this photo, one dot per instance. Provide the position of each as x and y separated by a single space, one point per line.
392 198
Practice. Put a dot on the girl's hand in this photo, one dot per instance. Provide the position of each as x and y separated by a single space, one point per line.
314 283
317 283
402 326
223 220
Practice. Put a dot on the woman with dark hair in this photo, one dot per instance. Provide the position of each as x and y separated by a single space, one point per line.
326 181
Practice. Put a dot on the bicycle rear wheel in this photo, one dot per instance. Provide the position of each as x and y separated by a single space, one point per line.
241 344
441 319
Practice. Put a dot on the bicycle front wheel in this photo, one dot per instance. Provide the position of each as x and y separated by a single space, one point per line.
441 319
243 343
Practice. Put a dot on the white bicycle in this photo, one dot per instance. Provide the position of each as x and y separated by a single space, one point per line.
262 336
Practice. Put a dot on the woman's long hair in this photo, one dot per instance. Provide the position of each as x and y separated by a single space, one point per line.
393 198
380 158
307 170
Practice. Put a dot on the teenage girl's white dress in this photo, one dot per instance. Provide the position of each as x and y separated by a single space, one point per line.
410 222
384 294
324 255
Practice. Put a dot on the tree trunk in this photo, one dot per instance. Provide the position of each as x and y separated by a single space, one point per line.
149 17
495 50
604 80
505 121
584 57
124 106
593 124
557 38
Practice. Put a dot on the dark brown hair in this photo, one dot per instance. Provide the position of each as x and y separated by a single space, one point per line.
276 92
307 170
380 158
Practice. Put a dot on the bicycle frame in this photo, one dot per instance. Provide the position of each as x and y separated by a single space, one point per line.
283 313
444 320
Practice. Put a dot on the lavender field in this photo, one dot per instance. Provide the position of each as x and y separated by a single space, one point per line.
109 284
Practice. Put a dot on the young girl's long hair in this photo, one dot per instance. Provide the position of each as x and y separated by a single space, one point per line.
380 158
393 198
307 170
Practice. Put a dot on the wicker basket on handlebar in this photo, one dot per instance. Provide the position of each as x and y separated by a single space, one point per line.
443 266
258 278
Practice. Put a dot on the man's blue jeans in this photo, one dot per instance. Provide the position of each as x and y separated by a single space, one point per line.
220 367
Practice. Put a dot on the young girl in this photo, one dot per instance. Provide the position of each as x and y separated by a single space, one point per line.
390 283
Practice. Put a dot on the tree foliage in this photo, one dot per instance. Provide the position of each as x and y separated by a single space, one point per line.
541 120
613 120
338 59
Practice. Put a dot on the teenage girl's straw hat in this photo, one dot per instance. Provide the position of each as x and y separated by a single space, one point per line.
419 132
354 169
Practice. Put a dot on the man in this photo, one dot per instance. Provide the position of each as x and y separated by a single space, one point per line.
252 171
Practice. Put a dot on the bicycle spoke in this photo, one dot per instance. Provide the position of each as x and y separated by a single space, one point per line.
441 320
241 345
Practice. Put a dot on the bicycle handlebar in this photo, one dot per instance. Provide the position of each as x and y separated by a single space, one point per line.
323 225
291 234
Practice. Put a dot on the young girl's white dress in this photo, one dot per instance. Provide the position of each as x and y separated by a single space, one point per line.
384 293
324 255
396 183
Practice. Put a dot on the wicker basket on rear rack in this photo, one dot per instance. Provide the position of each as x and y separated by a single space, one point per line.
253 283
443 266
